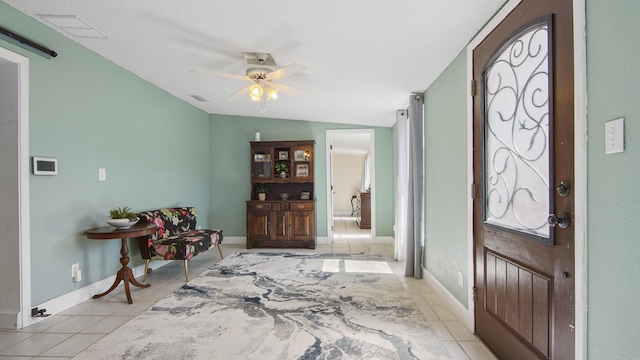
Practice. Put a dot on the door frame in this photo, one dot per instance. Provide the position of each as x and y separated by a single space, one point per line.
20 165
580 161
329 172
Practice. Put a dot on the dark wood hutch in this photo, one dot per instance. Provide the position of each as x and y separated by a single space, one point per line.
280 221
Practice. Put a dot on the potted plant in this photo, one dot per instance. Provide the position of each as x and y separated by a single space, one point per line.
282 169
262 190
122 218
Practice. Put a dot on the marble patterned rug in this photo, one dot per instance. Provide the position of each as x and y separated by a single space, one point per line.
280 306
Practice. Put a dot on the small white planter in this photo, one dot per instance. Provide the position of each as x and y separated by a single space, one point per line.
122 223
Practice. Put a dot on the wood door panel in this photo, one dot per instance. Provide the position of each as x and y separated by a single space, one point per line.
519 298
525 301
510 245
280 224
302 225
540 310
257 225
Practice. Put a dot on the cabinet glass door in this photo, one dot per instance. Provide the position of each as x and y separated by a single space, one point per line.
302 163
261 164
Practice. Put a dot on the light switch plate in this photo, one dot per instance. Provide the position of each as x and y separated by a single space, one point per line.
102 174
614 136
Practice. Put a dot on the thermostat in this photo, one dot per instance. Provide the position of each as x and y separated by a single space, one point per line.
44 165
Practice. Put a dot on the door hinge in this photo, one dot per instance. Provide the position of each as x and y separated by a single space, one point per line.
473 191
472 87
475 294
331 147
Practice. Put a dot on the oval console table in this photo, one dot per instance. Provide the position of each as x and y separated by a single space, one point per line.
124 274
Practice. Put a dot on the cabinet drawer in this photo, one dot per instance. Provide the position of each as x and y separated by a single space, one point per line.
259 206
280 206
303 205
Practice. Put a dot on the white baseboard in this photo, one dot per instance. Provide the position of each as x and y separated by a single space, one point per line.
235 240
73 298
457 308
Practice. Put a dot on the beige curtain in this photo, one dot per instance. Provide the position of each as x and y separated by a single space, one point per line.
402 183
415 199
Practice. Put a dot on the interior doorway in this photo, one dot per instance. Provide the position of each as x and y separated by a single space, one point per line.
15 299
350 187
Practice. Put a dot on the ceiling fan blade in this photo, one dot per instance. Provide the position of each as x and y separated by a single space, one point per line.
240 92
223 75
286 71
290 90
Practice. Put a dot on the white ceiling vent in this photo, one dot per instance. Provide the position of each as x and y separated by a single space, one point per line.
74 26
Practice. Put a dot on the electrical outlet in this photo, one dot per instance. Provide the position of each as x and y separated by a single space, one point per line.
74 270
460 279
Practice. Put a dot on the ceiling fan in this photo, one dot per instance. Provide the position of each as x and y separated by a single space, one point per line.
263 74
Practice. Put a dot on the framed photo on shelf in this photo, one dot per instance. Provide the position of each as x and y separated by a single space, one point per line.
305 195
300 155
283 155
261 157
302 170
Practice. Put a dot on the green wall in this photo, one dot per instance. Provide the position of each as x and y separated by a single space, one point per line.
613 58
230 178
89 113
158 151
446 175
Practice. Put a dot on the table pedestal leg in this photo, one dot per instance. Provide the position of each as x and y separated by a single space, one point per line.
125 274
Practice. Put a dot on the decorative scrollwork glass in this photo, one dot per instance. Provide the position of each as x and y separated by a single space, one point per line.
517 139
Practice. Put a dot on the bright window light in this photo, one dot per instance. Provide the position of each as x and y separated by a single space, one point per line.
356 266
331 265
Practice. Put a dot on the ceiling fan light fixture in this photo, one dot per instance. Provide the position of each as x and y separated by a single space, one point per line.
272 94
255 92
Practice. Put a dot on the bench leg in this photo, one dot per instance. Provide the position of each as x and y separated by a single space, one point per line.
186 270
146 268
220 251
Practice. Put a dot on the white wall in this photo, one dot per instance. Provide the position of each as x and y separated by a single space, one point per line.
347 177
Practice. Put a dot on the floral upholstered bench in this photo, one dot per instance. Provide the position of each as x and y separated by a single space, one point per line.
176 236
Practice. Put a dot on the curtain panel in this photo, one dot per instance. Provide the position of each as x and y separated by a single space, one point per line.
402 183
415 199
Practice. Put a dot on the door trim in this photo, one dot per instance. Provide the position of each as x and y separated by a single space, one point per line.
23 317
580 176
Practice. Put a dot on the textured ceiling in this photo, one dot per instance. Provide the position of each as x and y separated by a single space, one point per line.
363 58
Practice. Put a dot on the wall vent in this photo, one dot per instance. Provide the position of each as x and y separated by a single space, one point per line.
199 98
73 25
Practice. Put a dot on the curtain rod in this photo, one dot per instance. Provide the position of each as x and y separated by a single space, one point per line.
27 44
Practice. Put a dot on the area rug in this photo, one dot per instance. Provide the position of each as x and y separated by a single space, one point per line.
280 306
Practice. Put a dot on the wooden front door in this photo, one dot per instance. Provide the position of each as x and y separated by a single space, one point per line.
523 171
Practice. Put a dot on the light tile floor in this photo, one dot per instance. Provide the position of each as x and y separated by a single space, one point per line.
64 335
